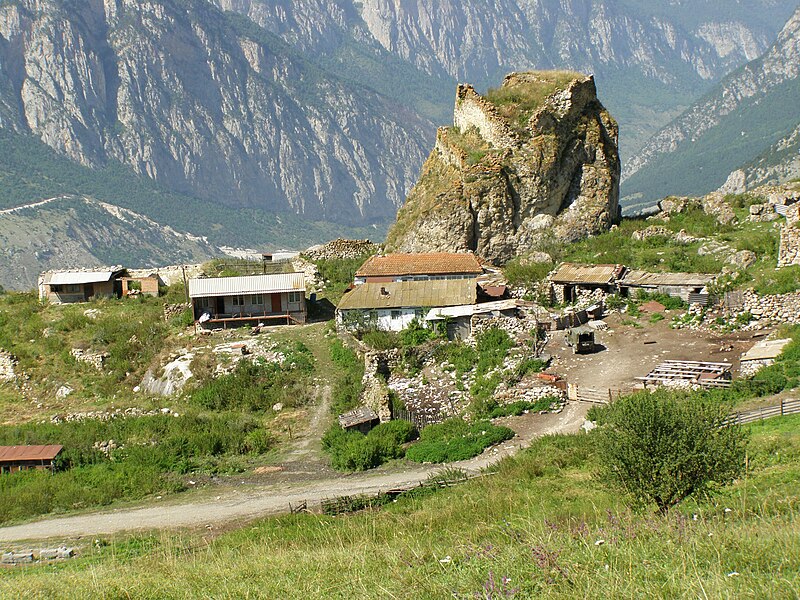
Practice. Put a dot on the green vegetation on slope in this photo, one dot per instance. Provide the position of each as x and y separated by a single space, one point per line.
540 527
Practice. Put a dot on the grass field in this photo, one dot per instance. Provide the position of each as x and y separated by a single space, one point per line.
541 526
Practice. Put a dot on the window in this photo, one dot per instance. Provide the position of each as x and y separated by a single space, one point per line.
295 297
396 314
258 299
204 302
238 300
73 288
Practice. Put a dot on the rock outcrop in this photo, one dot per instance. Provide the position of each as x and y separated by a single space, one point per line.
534 159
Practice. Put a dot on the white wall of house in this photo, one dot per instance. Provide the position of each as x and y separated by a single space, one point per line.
395 319
255 304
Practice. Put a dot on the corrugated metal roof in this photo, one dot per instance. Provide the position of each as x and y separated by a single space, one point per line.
470 309
765 350
79 277
251 284
643 278
400 294
433 263
589 274
17 453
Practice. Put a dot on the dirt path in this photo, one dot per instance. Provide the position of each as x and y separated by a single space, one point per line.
271 499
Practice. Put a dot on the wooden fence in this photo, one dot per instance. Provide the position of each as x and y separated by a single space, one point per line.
419 420
786 407
579 393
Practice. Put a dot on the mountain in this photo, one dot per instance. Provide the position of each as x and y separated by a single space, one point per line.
745 115
535 161
779 163
323 110
73 231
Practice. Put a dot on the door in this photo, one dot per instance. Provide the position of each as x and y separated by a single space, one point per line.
88 291
276 303
220 301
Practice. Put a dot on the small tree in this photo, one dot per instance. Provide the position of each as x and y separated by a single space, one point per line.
665 446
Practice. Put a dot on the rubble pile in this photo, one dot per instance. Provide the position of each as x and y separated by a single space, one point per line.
104 415
341 248
174 310
527 392
95 359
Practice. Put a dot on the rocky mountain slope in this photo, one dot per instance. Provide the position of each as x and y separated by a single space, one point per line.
72 231
322 109
779 163
206 103
741 118
534 158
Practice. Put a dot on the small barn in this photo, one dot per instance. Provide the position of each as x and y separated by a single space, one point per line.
65 287
569 278
361 419
232 301
459 319
24 458
392 306
689 287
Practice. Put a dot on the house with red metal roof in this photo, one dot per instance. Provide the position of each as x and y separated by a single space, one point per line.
23 458
389 268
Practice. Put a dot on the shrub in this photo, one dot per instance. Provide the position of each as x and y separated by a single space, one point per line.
347 388
354 451
415 334
455 440
664 447
380 340
517 408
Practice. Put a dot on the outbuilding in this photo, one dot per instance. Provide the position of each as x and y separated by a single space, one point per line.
231 301
24 458
569 278
64 287
689 287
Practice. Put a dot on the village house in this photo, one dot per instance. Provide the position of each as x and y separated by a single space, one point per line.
63 287
23 458
418 267
252 299
392 306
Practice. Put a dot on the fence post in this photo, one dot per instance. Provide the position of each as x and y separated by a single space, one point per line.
781 407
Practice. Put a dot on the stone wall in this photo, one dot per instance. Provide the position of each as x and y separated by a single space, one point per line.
789 252
472 110
7 363
772 309
95 359
341 248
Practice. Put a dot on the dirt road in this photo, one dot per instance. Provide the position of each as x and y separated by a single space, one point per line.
271 499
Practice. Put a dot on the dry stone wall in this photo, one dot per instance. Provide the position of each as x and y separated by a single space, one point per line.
789 252
772 309
7 363
341 248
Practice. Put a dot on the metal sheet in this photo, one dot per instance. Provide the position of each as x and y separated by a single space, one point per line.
79 277
586 274
411 294
433 263
18 453
252 284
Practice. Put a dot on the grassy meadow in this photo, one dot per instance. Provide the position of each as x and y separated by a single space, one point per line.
540 526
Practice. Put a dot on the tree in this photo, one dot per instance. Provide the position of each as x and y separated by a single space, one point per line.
666 446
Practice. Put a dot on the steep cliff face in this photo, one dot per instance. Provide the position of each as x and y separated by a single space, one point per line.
534 158
206 102
743 116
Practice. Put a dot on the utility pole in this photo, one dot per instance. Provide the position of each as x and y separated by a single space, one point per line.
185 283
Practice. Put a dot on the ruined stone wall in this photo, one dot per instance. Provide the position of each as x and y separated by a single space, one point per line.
789 252
472 110
449 154
772 309
7 363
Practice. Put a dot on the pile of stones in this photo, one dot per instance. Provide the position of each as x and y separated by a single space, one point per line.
341 248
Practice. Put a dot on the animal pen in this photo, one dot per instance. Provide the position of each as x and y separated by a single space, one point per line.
688 373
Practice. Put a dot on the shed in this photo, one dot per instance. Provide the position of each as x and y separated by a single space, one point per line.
393 306
568 278
23 458
459 318
80 285
361 419
689 287
223 301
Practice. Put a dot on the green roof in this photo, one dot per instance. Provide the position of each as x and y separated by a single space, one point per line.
411 294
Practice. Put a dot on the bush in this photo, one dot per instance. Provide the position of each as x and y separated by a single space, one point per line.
664 447
354 451
380 340
415 334
347 389
455 439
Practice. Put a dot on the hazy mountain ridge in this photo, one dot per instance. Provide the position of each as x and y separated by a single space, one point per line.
756 104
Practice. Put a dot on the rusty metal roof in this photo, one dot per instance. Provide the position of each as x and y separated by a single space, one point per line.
251 284
411 294
588 274
646 279
433 263
18 453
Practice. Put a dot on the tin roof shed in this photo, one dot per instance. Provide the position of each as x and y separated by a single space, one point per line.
21 453
574 273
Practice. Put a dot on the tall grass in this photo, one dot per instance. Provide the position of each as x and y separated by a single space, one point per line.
539 527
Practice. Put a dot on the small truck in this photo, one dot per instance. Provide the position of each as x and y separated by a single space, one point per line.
581 339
